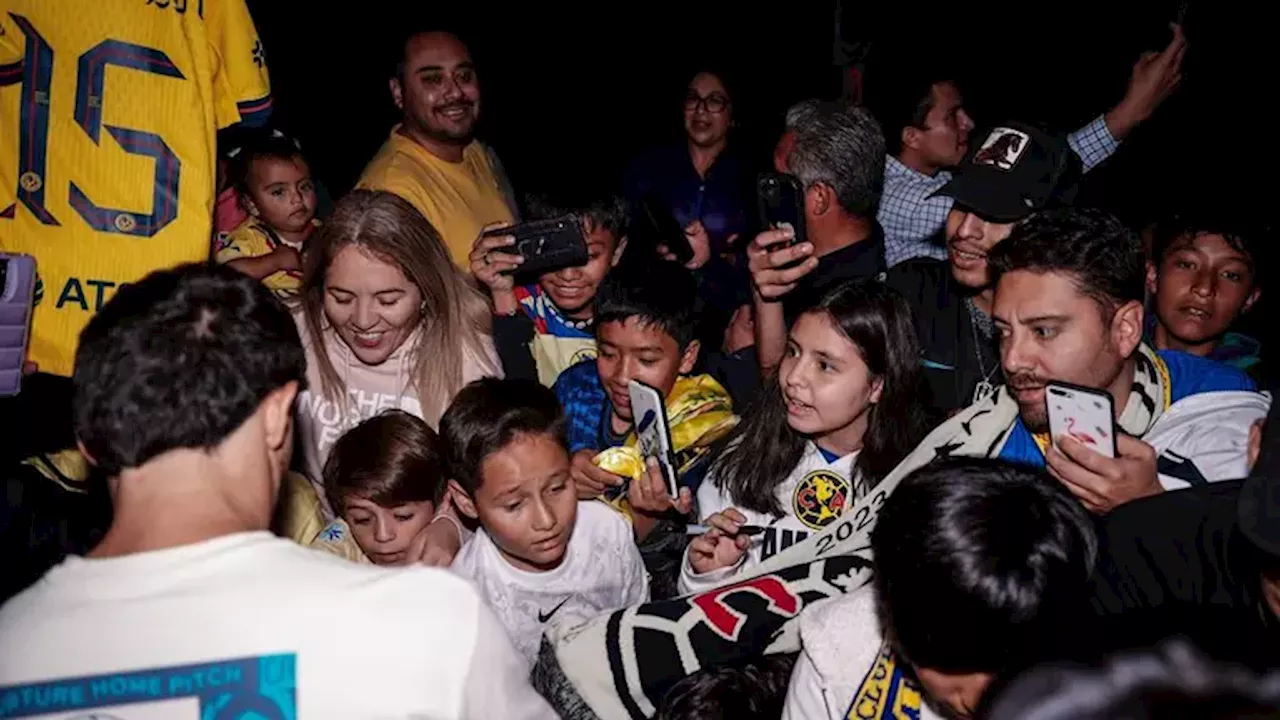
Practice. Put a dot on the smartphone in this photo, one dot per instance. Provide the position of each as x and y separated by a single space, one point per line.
781 199
17 299
653 436
655 225
547 245
1085 414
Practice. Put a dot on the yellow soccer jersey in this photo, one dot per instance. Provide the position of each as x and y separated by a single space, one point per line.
253 238
108 117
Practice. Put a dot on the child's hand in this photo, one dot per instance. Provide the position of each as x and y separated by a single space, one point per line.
590 480
721 546
649 494
741 332
286 259
491 264
435 545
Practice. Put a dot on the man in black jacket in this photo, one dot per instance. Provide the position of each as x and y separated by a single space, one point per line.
1017 171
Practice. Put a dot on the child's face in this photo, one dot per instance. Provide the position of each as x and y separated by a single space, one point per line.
526 501
826 383
572 289
1201 286
635 350
386 534
281 193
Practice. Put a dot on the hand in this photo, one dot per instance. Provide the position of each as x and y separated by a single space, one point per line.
649 494
490 264
591 481
699 240
286 259
1155 76
741 332
435 545
1103 483
721 546
768 275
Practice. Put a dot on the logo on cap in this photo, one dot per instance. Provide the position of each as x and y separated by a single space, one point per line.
1002 148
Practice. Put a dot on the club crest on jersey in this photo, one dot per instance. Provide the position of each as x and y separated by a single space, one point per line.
586 353
820 498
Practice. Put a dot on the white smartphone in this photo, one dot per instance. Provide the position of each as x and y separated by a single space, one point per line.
653 437
1085 414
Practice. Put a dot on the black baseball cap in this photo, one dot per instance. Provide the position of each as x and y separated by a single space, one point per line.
1017 169
1258 510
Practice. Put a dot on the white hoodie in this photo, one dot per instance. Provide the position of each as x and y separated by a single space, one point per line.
370 389
1205 437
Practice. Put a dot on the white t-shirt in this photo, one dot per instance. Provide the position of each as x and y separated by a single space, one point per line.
602 571
251 622
815 493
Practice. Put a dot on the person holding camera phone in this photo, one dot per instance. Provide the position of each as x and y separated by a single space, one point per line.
837 154
543 328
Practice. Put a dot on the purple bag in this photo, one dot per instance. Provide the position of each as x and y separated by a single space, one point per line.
17 293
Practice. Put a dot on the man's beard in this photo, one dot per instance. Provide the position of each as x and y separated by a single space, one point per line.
1034 416
448 134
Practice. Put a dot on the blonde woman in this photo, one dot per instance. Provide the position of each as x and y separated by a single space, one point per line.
387 321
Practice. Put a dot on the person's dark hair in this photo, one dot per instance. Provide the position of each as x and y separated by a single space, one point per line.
1004 548
657 293
839 146
901 99
1240 231
1103 256
763 450
392 458
753 690
601 208
487 415
179 359
259 144
1171 681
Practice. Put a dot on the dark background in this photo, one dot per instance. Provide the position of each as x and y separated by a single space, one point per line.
571 92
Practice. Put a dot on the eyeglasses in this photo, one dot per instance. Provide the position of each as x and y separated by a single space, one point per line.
714 104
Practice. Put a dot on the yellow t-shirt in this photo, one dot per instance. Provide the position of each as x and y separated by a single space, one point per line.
458 198
108 116
251 239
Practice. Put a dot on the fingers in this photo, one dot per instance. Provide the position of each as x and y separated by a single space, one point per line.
762 242
705 544
1061 471
1128 446
1084 456
684 504
724 523
735 515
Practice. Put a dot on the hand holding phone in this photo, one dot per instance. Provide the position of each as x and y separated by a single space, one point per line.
781 201
1085 414
544 245
653 436
655 226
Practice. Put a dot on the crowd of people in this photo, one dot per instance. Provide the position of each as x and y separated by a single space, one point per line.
283 453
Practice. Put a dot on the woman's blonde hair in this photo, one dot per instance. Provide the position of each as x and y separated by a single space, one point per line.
455 317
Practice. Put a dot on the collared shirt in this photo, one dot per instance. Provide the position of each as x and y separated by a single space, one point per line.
720 199
914 220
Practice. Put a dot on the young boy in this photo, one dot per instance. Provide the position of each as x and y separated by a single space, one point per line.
384 478
1204 275
645 328
275 187
542 329
542 559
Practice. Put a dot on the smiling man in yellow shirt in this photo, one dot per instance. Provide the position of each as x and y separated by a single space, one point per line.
432 158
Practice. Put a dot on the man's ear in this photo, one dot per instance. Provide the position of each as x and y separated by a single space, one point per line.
912 137
617 251
277 415
1126 327
690 357
461 500
397 93
817 200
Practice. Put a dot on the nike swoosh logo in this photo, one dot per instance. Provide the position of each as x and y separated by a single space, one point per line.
543 617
